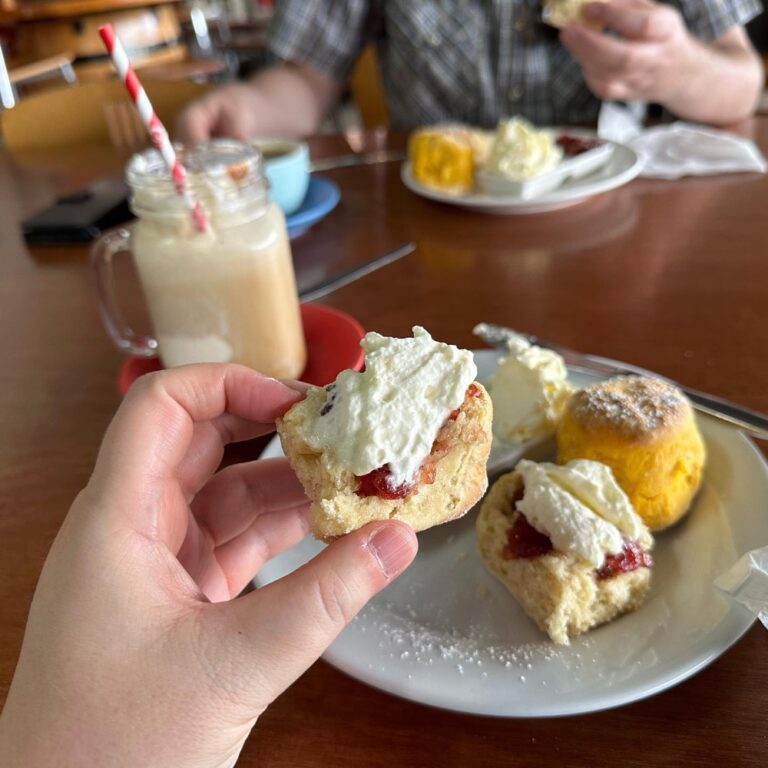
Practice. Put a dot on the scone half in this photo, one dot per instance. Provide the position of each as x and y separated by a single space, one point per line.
560 592
451 480
561 13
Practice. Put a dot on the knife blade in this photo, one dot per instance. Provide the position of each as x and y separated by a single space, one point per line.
344 278
358 158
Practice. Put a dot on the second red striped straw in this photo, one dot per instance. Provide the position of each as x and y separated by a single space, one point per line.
156 130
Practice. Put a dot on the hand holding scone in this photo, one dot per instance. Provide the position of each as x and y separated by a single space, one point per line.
644 62
561 13
407 439
136 653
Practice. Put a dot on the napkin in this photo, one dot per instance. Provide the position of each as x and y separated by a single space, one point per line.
679 149
747 582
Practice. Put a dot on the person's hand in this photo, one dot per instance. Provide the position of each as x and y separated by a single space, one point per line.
230 112
287 100
644 63
135 654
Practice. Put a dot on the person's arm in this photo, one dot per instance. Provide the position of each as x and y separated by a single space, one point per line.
286 100
318 43
657 59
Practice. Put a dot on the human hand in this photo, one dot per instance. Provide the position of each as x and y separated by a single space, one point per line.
227 112
135 654
645 63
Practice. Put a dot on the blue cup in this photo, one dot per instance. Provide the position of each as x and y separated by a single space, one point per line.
286 166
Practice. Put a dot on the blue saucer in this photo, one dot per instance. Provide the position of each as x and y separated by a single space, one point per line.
322 197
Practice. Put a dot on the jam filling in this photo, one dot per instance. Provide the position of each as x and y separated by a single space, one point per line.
573 145
523 540
378 481
472 391
632 557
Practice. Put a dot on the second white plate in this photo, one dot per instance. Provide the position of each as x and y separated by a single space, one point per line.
446 633
622 166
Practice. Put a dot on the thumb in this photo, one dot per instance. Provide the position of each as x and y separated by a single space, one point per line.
289 623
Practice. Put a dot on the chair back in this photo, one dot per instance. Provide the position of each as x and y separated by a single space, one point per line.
99 112
367 92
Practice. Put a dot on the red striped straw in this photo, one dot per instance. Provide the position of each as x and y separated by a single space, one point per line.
156 130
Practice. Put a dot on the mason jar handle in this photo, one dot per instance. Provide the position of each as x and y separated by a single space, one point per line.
124 337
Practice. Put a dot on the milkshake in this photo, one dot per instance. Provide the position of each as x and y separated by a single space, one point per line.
227 294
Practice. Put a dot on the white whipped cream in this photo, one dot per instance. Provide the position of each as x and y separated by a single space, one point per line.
581 507
529 391
391 413
521 152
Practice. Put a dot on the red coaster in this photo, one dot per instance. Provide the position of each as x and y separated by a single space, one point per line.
333 345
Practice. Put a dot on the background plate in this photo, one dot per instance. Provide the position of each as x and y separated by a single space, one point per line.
447 633
621 168
322 197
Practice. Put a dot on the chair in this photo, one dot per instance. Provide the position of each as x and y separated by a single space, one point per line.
12 79
96 113
367 92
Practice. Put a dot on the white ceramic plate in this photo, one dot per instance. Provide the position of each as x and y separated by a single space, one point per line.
621 167
448 634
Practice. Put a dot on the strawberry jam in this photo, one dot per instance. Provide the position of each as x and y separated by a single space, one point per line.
378 483
574 145
632 557
523 540
472 391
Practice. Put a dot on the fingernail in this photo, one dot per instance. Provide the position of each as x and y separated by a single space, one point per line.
298 386
393 547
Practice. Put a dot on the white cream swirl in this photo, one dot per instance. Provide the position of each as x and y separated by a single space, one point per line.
520 152
391 413
529 390
581 507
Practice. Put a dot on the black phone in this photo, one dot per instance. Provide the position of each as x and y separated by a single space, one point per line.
81 216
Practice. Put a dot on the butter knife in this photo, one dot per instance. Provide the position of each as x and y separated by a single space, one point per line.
344 278
358 158
745 419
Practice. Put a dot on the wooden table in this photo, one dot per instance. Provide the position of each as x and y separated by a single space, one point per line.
670 276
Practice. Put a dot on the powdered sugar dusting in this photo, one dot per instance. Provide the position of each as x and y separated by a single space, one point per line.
405 638
636 406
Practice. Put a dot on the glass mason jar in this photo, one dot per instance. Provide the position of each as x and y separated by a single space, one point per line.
224 295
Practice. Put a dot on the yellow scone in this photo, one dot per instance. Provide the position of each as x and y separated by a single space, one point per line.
644 429
443 158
